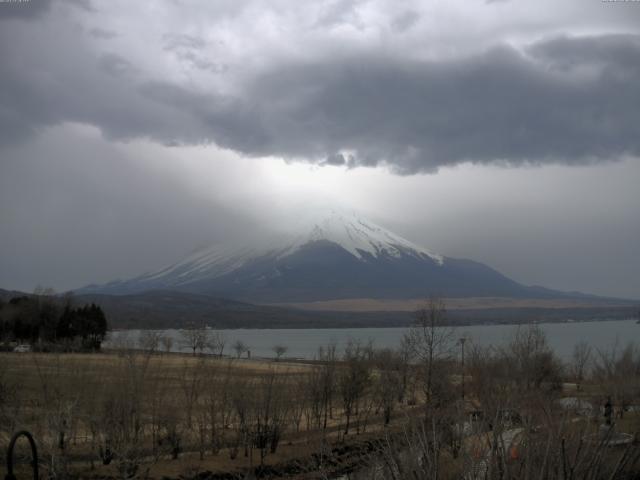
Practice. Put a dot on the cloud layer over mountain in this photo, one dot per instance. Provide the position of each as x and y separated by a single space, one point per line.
355 83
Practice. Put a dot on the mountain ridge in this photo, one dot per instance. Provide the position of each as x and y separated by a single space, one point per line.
334 255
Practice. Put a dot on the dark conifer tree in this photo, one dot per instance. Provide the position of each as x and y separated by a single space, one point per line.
34 319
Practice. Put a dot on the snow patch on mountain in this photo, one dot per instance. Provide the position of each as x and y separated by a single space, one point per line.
213 261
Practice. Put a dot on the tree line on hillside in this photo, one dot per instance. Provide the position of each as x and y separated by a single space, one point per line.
49 322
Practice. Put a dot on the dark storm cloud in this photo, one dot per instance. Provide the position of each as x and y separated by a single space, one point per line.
86 5
405 21
102 33
24 10
32 9
616 54
40 88
189 49
179 41
115 65
570 100
339 13
338 160
497 106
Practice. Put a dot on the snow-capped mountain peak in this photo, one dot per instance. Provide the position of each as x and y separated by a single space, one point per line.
358 236
361 238
331 254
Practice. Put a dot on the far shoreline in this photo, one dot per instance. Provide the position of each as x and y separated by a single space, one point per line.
408 325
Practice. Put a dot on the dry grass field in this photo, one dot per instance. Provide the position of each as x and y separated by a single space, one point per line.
71 371
175 414
142 414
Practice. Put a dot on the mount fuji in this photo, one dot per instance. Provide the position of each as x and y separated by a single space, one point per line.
335 255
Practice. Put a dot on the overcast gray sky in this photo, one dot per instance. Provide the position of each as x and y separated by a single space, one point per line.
507 132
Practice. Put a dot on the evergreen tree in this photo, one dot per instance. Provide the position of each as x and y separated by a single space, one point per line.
42 318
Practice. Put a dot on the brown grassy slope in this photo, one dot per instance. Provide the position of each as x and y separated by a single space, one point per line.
470 303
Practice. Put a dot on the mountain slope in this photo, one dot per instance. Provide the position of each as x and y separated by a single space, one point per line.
332 256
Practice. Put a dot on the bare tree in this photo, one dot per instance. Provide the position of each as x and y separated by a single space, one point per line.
149 340
354 379
239 347
298 394
172 433
580 360
60 411
216 343
121 341
405 356
269 413
531 359
217 403
557 449
327 380
159 399
388 381
167 343
617 370
195 339
241 391
523 431
430 339
279 350
9 404
191 380
315 398
121 418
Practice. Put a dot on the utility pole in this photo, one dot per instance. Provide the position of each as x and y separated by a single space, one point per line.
462 410
462 341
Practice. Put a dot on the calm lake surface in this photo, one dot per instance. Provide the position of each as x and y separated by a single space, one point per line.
304 343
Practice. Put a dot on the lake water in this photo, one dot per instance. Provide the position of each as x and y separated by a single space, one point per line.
304 343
